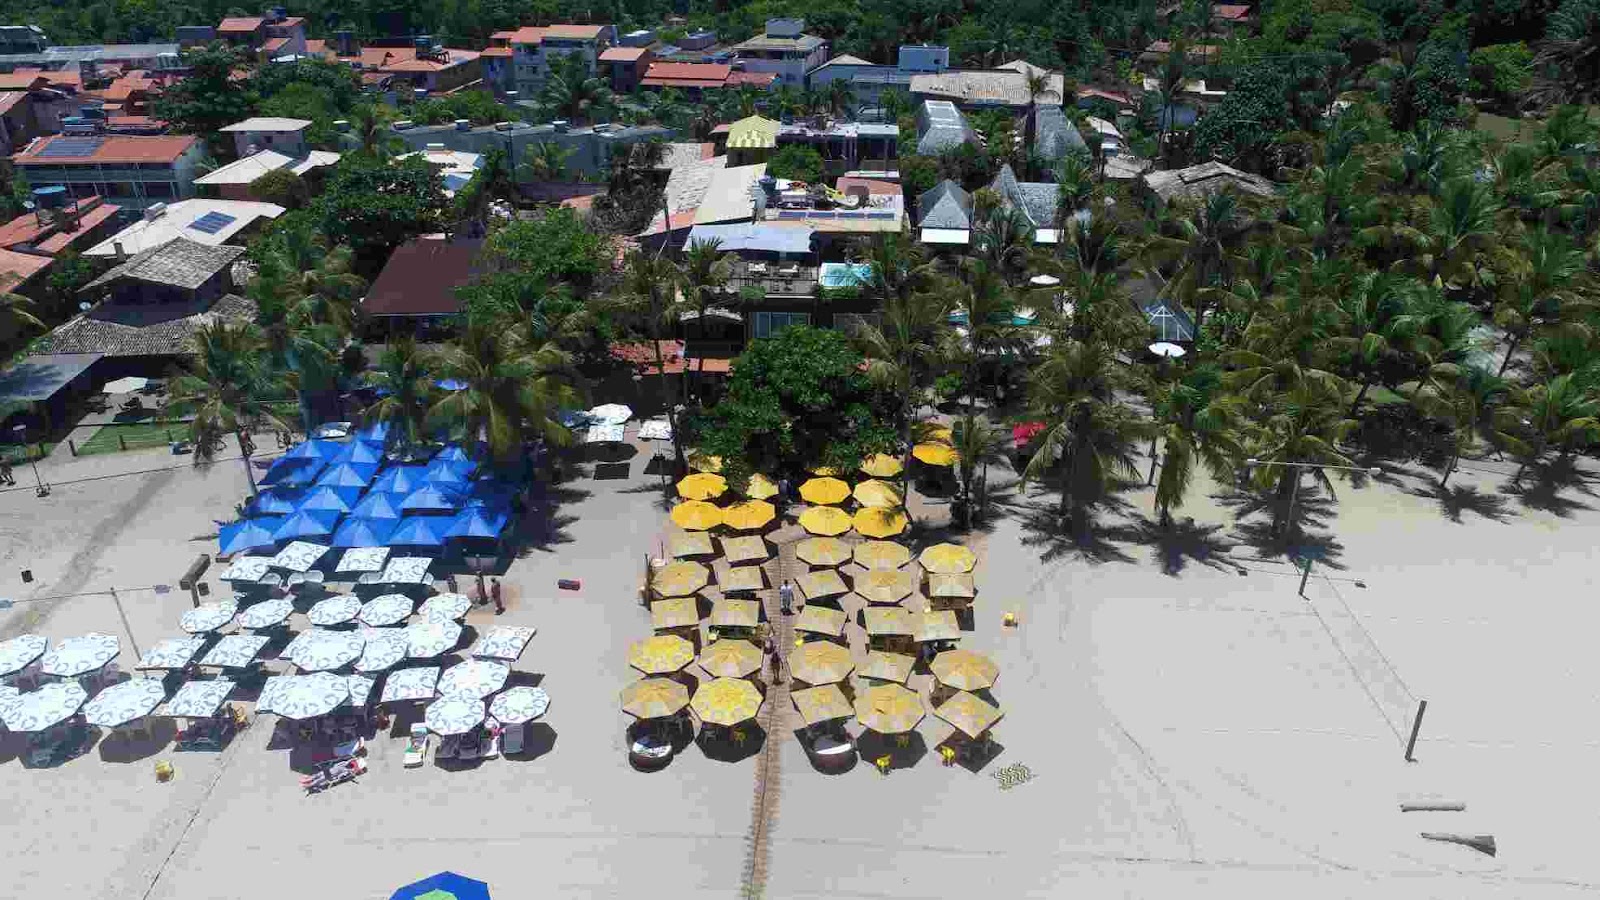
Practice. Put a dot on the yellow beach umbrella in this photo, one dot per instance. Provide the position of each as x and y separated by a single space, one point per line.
821 662
956 586
822 551
965 670
881 465
696 515
885 585
936 625
745 549
679 578
826 520
936 454
885 666
821 703
881 555
701 462
747 515
970 714
880 523
889 708
873 492
818 619
730 659
660 654
947 559
731 612
743 578
821 583
674 612
760 487
726 701
701 486
654 698
886 621
824 490
692 543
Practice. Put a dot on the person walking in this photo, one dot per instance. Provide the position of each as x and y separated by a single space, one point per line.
786 597
5 472
494 591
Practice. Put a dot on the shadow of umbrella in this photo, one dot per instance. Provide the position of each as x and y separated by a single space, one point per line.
871 745
129 745
722 744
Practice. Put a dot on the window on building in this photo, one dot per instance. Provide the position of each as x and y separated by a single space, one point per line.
770 323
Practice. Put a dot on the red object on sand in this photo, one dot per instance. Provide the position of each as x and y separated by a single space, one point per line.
569 584
1026 432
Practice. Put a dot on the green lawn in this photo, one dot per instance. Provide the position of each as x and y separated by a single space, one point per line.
137 436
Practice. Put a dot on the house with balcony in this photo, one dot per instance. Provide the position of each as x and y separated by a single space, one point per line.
132 171
286 136
784 50
526 67
869 81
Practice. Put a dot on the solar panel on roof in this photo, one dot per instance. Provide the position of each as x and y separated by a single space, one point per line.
212 222
68 147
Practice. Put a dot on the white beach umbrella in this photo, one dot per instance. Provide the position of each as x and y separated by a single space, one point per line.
308 696
37 710
430 638
122 703
208 617
247 568
235 651
17 653
172 653
475 678
504 642
388 609
77 656
200 699
610 414
384 648
363 559
125 385
267 613
445 606
299 556
519 704
334 610
410 684
318 650
454 715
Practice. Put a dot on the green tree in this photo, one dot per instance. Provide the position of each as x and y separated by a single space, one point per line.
1303 429
207 98
704 274
1560 416
373 206
15 315
1197 421
1543 291
570 93
282 187
798 162
227 387
406 390
513 389
1567 66
977 444
1474 404
647 301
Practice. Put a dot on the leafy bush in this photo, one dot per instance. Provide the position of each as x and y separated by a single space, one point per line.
796 161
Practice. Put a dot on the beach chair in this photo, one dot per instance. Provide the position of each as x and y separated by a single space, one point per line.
417 750
511 739
449 746
471 746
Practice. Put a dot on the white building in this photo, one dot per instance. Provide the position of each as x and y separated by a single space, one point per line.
287 136
784 50
209 222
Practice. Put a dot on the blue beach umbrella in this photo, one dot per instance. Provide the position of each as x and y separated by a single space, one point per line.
307 523
249 534
431 499
444 886
401 479
355 532
361 453
314 449
330 499
453 453
276 502
376 433
447 475
419 531
348 475
378 505
288 471
449 384
477 522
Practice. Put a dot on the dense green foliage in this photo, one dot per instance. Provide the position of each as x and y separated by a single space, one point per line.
796 161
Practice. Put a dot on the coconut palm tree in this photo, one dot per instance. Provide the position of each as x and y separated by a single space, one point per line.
1568 62
571 93
1559 415
894 104
1457 226
228 388
1302 430
545 162
977 444
406 390
370 125
1375 327
1202 250
1196 421
1544 290
1474 404
981 297
841 96
704 273
647 300
1037 82
15 315
512 389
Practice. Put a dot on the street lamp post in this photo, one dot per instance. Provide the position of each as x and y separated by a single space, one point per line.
21 431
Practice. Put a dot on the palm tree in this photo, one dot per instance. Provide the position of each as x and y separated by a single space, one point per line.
1568 62
1543 291
1171 77
1303 430
512 389
1473 404
648 299
704 273
1004 237
1375 325
15 314
1459 223
785 101
1203 248
545 162
977 444
370 126
1037 83
571 93
894 103
1196 419
228 389
981 297
406 386
1559 415
1427 158
841 96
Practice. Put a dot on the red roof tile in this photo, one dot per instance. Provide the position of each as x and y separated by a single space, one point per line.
239 25
9 99
527 34
25 229
1230 12
456 58
874 187
623 54
759 79
21 81
16 268
496 52
276 43
673 71
90 220
316 47
113 149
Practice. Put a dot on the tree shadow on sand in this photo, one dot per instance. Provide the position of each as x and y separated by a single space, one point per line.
1306 537
1177 545
1542 488
1092 540
1455 500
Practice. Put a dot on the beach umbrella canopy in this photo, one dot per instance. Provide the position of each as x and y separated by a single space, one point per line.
431 498
299 556
379 505
329 499
443 886
383 649
172 653
405 570
360 689
475 678
701 486
410 684
431 637
654 698
453 453
875 493
726 701
354 532
965 670
696 515
881 465
307 523
824 490
679 578
365 559
936 625
760 487
690 543
235 651
335 610
825 471
886 666
957 586
277 501
703 462
660 654
309 696
247 568
821 583
200 699
121 703
267 613
359 453
822 703
514 706
319 650
885 585
17 653
446 606
743 578
884 621
376 433
388 609
748 515
348 476
947 559
749 548
610 414
208 617
454 715
932 432
881 555
314 449
419 531
818 619
941 455
124 385
401 479
731 612
969 713
251 534
49 705
450 475
821 662
889 708
674 612
476 522
730 658
504 642
825 520
880 523
823 551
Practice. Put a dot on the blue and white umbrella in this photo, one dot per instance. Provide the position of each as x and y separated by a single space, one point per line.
208 617
360 687
430 638
476 678
363 559
251 534
330 499
504 642
379 505
514 706
454 715
335 610
270 690
300 556
49 705
384 648
308 696
120 704
449 475
267 613
453 453
445 606
235 651
17 653
443 886
388 609
77 656
200 699
247 569
172 653
356 532
319 650
410 684
450 384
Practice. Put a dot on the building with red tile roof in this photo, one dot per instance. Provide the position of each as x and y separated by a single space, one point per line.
29 243
533 48
98 164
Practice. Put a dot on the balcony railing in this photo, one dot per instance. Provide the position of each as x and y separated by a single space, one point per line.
775 278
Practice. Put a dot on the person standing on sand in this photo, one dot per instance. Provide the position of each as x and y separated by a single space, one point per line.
786 597
494 591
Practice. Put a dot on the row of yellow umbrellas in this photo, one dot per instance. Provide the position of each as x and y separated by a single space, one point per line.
721 701
747 515
880 465
936 449
939 559
872 521
884 708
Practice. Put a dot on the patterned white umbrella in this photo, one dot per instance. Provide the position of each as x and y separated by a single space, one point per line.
308 696
122 703
410 684
406 570
445 606
610 414
475 678
384 648
299 556
267 613
200 699
235 651
519 704
247 568
17 653
208 617
318 650
270 690
8 695
49 705
504 642
389 609
360 687
334 610
454 715
430 638
363 559
172 653
76 656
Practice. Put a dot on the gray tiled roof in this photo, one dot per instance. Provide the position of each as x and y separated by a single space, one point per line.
1054 135
946 205
179 262
940 126
145 332
1037 200
1206 178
